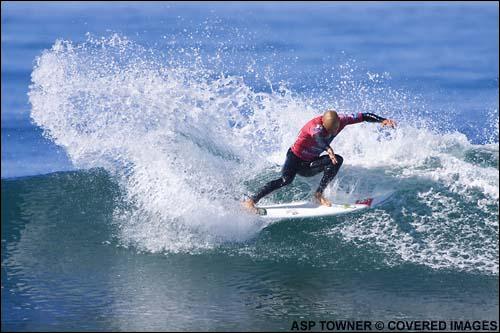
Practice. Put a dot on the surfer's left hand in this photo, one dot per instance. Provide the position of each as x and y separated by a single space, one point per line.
389 122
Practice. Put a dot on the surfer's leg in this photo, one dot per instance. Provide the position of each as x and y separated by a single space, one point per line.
287 175
273 185
315 167
330 171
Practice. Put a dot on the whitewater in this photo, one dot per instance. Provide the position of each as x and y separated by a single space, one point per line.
186 143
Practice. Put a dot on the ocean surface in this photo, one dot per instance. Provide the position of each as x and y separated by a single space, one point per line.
131 131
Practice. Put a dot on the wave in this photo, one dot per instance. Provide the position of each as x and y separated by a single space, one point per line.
185 143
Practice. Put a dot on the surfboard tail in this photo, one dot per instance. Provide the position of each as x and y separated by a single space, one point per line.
376 200
367 202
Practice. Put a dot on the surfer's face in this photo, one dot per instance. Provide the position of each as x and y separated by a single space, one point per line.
332 127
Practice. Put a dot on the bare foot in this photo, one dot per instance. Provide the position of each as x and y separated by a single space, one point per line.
322 200
249 205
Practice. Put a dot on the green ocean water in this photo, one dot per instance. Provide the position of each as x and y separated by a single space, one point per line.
64 264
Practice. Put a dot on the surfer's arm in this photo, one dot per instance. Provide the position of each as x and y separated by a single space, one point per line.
322 143
373 118
330 152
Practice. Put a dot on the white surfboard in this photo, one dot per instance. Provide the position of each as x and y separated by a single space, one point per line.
306 209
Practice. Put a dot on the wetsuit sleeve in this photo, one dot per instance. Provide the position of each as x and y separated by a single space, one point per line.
349 119
372 118
325 144
321 141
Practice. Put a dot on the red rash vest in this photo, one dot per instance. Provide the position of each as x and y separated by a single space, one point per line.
313 138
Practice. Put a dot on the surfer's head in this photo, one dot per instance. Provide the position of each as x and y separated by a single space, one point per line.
331 121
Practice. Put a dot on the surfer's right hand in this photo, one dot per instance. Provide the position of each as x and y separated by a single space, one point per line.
330 153
333 158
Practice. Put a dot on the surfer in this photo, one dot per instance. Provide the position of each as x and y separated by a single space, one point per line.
303 157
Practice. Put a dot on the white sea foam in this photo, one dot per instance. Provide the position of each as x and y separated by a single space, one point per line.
182 140
440 233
